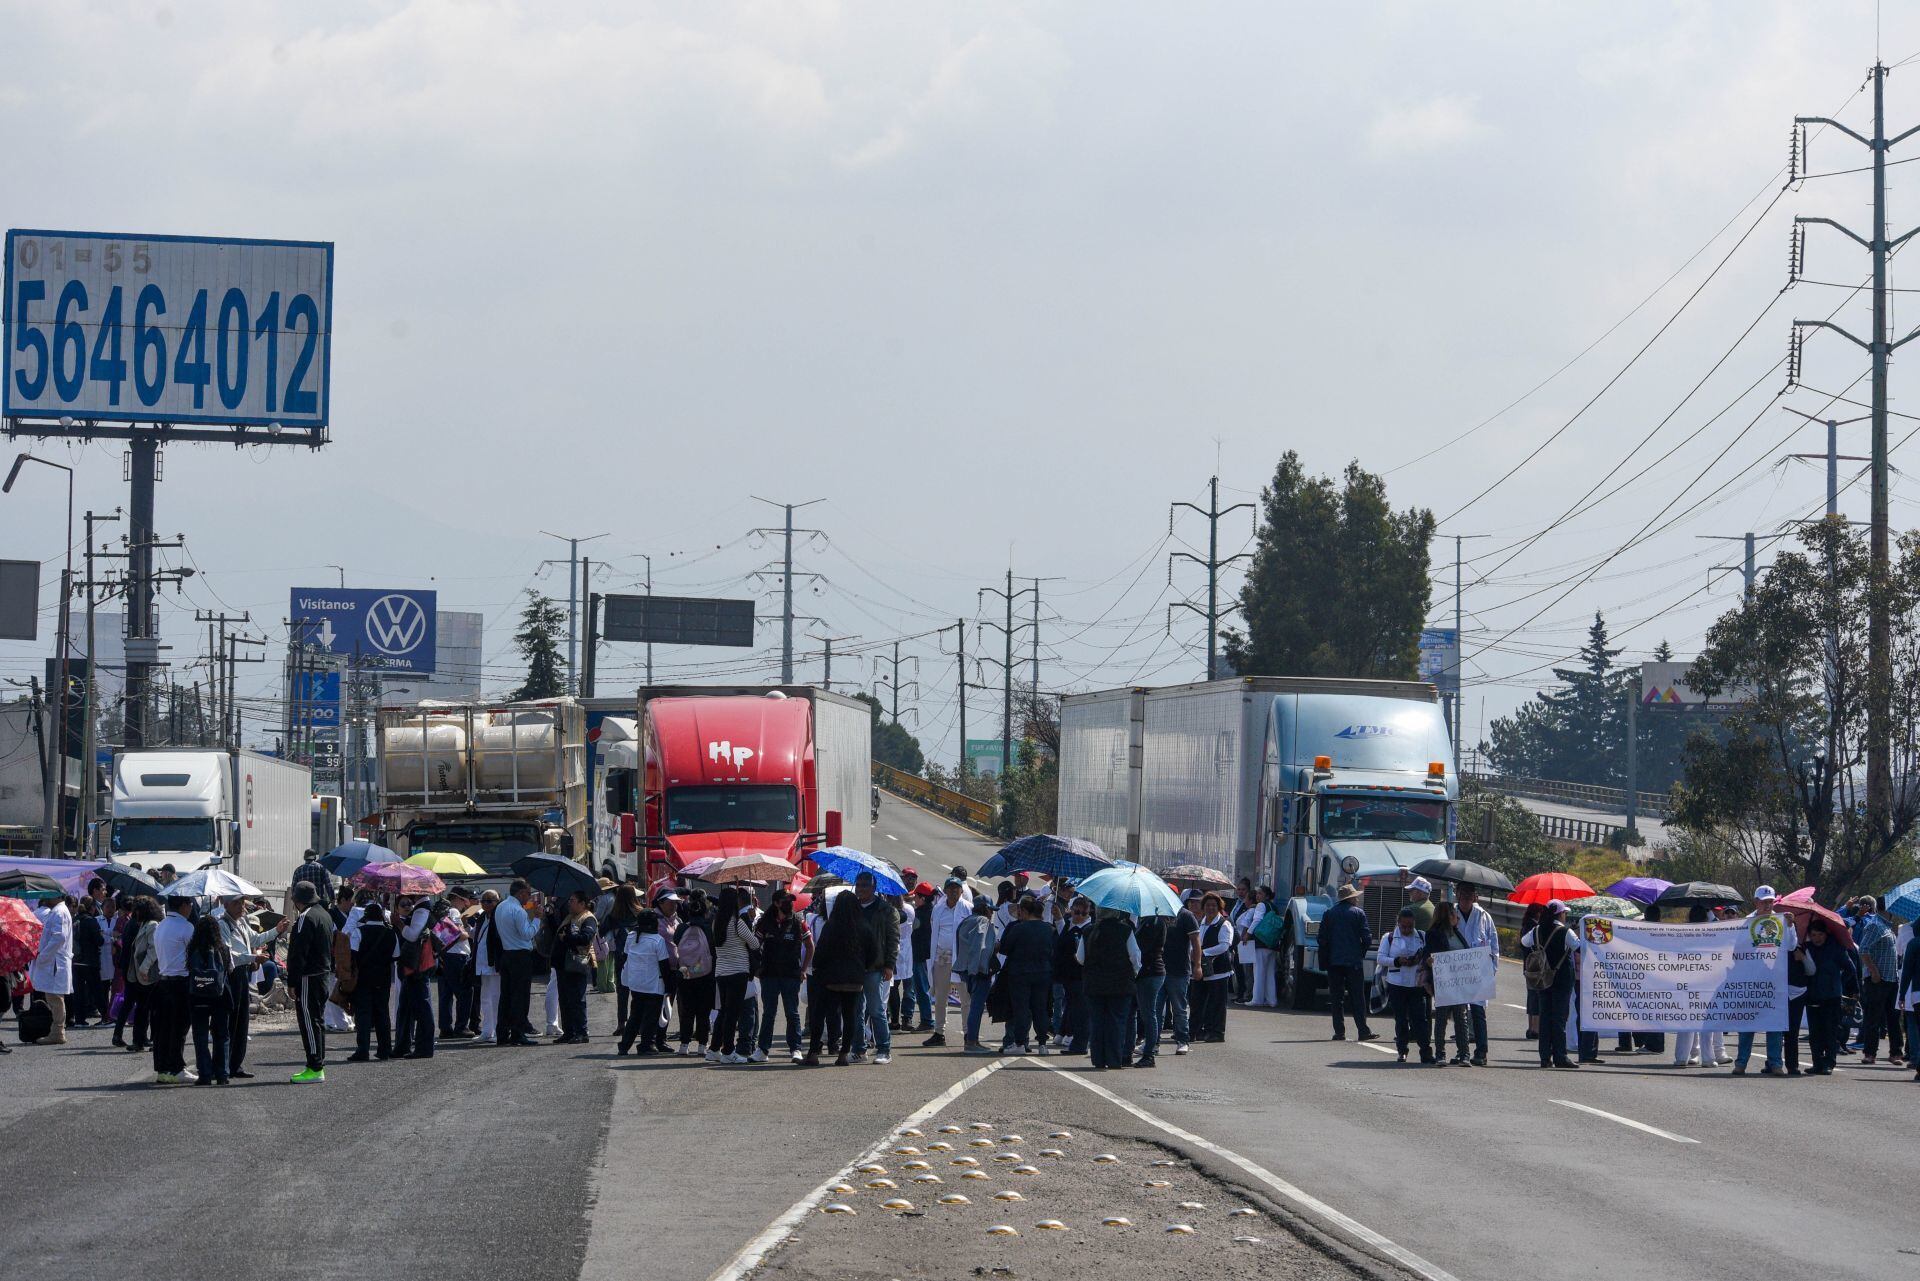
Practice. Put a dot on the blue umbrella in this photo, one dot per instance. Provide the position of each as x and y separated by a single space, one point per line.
1903 900
1132 889
847 864
1049 856
351 856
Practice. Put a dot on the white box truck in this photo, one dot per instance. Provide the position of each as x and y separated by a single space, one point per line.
196 807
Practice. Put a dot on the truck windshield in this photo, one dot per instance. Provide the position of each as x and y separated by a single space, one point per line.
1382 818
493 846
732 809
134 835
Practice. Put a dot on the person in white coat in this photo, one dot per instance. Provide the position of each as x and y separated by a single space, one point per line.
52 970
483 946
1265 959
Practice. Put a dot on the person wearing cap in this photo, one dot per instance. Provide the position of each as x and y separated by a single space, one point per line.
1345 940
1477 927
1552 936
1763 909
1181 953
922 987
944 919
1420 899
1402 951
243 943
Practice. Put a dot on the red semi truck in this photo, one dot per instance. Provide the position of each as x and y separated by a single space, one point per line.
750 770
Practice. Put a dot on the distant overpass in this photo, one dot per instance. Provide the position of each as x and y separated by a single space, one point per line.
1582 812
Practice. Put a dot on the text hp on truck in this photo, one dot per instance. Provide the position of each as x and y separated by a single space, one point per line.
1304 782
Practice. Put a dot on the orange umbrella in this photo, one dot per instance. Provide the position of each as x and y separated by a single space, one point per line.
1544 887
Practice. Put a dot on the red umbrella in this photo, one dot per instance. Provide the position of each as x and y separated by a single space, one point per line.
1802 895
1544 887
1803 912
19 935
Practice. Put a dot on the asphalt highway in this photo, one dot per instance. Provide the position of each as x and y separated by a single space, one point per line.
564 1162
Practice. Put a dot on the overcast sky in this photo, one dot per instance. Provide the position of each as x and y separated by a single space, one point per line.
997 281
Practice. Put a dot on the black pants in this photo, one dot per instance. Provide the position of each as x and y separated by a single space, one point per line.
1412 1024
85 1002
845 1006
818 997
211 1021
310 1010
137 1005
696 1009
372 1026
573 1002
239 1016
642 1021
1077 1022
1796 1012
171 1023
1347 993
415 1032
1823 1033
733 994
1452 1017
1210 1009
775 993
1877 1007
516 994
456 995
1556 1007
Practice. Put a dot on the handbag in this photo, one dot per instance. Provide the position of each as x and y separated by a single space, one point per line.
999 999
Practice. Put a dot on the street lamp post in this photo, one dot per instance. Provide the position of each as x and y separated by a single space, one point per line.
50 787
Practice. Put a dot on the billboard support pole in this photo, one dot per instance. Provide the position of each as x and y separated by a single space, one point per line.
1633 744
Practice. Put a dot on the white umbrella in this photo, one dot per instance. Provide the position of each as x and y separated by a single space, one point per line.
212 882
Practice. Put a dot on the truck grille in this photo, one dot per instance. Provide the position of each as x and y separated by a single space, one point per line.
1382 904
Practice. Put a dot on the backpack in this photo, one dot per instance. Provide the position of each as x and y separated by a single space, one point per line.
206 979
696 952
418 956
1537 969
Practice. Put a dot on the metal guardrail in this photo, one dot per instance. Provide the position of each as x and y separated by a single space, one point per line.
1611 799
955 805
1582 831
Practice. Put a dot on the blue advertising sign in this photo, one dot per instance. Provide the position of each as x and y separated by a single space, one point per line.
395 630
317 695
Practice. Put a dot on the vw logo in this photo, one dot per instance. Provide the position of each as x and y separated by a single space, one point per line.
396 624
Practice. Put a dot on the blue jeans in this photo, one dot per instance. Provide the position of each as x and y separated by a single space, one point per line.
923 990
873 1017
978 985
1173 1012
1146 999
775 993
416 1016
1776 1049
1108 1027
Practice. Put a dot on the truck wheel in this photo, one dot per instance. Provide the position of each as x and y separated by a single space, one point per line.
1300 993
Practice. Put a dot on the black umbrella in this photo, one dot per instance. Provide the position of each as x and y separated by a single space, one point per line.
17 883
555 874
1704 893
1462 872
125 880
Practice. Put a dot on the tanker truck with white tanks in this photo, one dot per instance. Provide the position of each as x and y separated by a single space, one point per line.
197 807
1307 783
493 781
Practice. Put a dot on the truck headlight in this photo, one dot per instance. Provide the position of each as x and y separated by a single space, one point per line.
1313 929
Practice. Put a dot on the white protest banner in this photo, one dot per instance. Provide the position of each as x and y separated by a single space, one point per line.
1726 976
1462 977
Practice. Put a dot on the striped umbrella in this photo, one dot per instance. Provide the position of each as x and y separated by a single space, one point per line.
1048 855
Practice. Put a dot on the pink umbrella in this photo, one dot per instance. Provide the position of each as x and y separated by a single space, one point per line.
398 878
1802 895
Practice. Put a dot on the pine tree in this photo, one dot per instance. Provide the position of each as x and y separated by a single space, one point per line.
1576 733
542 623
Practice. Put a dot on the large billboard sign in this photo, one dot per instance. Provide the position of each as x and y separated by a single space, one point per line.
390 630
176 329
19 600
677 620
1664 686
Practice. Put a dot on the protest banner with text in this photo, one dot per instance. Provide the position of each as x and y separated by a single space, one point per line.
1463 977
1728 976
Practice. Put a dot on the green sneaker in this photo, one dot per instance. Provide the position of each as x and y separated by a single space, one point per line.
312 1076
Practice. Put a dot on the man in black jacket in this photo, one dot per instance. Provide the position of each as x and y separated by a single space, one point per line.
883 918
309 961
1345 942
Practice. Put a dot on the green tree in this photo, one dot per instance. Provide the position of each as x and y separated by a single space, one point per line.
542 624
1338 585
1792 767
1499 832
892 744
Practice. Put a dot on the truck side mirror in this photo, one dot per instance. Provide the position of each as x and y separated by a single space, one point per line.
629 834
834 828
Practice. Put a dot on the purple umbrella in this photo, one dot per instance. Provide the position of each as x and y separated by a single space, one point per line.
1638 889
398 878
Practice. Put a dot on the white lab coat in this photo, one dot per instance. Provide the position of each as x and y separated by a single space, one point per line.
52 968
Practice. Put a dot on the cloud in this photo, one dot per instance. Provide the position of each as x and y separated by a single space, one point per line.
1444 122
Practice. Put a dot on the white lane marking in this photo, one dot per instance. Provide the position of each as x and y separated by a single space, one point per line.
1352 1227
755 1252
1625 1120
1510 1005
918 854
1384 1049
892 837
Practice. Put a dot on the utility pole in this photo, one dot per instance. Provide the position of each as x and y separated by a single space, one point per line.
1745 566
826 674
649 560
1006 630
960 642
1455 699
786 579
593 645
53 760
574 587
89 774
893 682
1879 349
1833 456
1213 564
